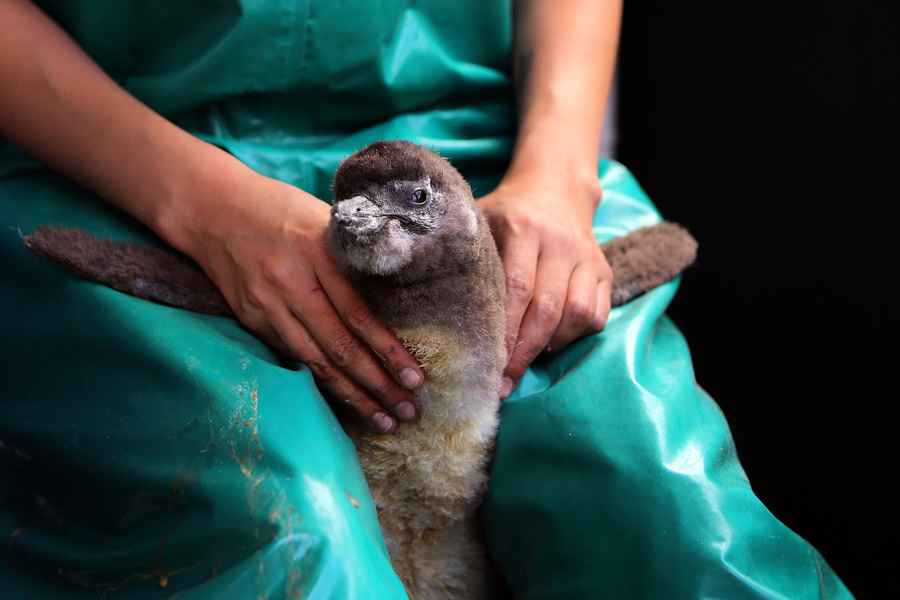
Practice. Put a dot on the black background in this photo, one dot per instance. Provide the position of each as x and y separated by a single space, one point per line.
769 129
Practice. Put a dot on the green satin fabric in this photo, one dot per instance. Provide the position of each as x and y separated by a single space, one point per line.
147 451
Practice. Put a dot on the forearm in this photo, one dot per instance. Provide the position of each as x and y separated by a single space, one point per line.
59 106
564 57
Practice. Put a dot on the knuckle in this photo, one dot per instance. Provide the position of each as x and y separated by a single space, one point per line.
393 355
525 352
519 364
580 312
272 271
516 370
253 299
359 318
596 326
322 371
547 308
517 223
518 286
525 223
343 350
532 352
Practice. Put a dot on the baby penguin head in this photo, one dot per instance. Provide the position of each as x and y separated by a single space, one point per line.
402 210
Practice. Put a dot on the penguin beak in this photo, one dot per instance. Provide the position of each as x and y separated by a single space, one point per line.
357 216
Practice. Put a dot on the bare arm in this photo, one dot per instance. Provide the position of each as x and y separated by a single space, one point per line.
260 241
558 281
57 104
563 61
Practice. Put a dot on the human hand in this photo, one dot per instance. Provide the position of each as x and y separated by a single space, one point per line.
263 243
558 282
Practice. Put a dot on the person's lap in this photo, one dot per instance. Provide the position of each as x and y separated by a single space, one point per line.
616 476
150 450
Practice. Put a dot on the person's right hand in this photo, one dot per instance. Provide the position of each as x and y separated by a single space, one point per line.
263 243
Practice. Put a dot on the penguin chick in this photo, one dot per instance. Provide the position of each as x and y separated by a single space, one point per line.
409 235
406 228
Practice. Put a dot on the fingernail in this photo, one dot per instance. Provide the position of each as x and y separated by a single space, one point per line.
506 387
410 378
383 422
405 410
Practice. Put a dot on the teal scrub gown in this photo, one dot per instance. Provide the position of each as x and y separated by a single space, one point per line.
149 452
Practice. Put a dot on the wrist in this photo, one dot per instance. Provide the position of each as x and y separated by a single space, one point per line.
553 177
199 185
555 153
566 178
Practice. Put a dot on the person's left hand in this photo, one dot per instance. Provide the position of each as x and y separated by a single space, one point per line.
558 282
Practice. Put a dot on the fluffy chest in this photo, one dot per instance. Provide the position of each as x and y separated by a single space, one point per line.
461 392
440 460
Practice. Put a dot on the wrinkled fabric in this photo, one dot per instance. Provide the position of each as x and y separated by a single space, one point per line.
148 452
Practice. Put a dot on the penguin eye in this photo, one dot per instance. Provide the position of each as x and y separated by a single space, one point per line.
419 197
